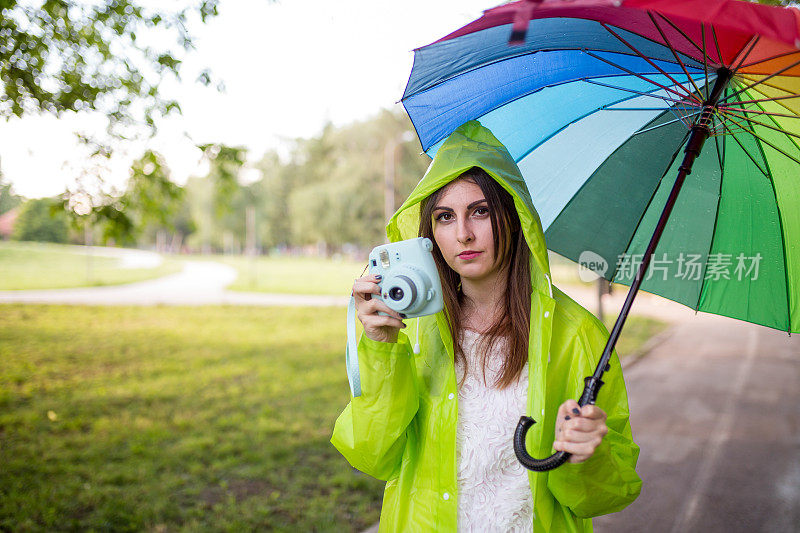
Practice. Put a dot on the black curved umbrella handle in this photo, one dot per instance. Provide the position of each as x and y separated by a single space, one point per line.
592 386
537 465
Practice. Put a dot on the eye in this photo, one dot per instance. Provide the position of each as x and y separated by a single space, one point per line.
444 216
481 211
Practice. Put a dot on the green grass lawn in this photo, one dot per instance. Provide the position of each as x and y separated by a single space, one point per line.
30 265
210 418
167 419
294 275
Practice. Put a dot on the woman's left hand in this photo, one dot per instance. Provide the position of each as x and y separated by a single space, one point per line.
579 430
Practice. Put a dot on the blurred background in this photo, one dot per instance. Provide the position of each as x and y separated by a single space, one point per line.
187 190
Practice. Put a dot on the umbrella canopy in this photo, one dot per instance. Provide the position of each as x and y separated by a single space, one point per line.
596 100
596 103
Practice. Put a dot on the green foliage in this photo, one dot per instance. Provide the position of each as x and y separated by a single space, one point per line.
43 220
337 195
329 191
59 55
271 193
225 163
153 203
150 194
8 200
784 3
175 419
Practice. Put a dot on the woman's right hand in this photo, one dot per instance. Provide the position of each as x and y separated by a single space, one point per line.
378 327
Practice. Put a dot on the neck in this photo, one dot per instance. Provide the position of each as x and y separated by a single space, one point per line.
484 298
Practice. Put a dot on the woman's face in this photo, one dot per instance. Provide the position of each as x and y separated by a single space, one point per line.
462 228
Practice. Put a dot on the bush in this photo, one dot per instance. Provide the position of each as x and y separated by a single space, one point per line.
42 220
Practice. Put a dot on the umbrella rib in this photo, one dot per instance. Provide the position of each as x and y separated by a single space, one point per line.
742 109
770 58
716 45
681 32
623 69
763 140
748 119
781 71
747 77
649 61
636 108
640 93
705 56
782 130
758 100
663 98
720 153
674 52
783 243
733 135
767 98
664 124
711 240
753 41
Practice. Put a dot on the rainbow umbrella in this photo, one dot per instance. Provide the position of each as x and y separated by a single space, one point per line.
611 108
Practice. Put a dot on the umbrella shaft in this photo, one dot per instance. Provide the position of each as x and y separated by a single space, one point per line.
699 133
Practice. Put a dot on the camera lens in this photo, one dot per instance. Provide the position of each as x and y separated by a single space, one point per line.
396 294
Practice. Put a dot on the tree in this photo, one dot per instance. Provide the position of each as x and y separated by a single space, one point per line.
338 190
216 197
271 194
8 200
60 55
225 163
153 201
43 220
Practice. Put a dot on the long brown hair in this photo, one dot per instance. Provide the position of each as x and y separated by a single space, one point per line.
513 323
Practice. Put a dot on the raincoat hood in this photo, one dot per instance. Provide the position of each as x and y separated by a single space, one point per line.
468 146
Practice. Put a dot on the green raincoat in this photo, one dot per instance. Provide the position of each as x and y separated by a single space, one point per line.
402 428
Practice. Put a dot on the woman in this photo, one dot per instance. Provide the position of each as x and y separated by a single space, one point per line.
437 426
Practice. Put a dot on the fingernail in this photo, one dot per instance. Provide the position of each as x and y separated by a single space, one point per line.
403 315
403 326
378 277
576 411
567 417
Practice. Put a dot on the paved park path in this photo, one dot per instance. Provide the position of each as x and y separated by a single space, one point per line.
716 410
199 283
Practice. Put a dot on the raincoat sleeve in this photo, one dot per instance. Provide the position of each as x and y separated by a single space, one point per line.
371 431
606 482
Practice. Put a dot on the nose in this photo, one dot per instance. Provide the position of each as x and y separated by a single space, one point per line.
465 234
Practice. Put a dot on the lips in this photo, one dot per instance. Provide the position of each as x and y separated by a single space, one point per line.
469 254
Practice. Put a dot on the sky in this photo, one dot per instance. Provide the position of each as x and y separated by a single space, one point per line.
288 68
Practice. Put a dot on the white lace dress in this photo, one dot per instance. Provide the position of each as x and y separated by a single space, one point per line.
493 489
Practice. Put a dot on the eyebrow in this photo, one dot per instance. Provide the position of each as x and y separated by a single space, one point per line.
470 206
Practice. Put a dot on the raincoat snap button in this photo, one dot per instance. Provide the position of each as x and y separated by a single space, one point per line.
451 395
446 496
546 314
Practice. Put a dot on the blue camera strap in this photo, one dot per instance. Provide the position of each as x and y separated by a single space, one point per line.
351 353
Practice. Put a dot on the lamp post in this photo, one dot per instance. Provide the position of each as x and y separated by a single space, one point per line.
81 205
390 167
